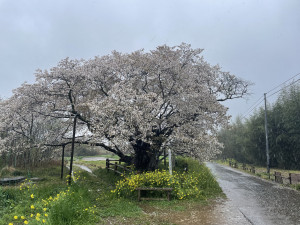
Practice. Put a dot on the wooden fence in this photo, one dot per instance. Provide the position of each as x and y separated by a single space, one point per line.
244 166
293 178
116 166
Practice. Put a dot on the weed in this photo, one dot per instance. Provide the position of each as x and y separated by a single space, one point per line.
297 187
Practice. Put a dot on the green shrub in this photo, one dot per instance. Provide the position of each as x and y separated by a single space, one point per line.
198 183
181 164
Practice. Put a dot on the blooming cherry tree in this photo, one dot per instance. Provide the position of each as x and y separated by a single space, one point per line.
137 105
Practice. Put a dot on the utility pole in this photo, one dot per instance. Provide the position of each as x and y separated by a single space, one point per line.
62 162
266 131
72 150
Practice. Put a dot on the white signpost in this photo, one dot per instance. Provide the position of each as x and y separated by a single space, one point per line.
170 161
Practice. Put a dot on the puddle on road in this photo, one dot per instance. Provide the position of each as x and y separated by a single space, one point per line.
219 212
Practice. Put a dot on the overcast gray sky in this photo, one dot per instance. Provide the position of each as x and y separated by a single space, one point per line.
258 40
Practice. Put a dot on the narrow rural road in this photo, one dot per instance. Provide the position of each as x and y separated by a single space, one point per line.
252 200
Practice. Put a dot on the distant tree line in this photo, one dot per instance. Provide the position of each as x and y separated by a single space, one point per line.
245 140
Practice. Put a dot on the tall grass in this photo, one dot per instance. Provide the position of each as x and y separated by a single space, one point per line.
47 203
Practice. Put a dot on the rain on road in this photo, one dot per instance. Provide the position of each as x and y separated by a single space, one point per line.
251 200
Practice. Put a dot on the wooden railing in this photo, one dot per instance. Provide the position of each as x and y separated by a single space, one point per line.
244 166
293 178
116 166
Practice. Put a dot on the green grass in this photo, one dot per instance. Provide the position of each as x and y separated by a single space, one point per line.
89 200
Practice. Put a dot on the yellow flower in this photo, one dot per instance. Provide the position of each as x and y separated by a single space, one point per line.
38 215
46 214
45 209
32 206
31 215
25 222
31 196
15 217
10 224
37 218
44 221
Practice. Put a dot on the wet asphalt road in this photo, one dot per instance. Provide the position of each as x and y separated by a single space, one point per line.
251 200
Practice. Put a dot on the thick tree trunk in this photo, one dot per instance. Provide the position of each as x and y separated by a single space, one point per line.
126 159
146 157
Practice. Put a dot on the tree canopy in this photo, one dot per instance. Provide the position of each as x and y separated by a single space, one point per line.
135 105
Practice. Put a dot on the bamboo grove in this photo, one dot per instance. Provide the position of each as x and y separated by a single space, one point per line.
245 140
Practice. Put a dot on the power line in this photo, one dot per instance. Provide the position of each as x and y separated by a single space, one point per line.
253 107
284 87
283 83
259 101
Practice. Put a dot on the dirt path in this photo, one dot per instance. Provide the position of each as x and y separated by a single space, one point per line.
217 212
84 168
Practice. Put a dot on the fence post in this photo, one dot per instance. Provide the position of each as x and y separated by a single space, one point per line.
107 164
116 167
139 195
253 169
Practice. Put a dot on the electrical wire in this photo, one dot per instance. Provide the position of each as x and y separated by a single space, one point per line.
251 108
254 107
283 82
284 87
258 102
